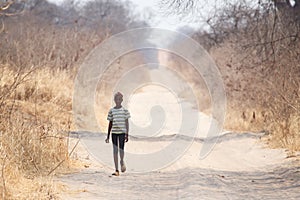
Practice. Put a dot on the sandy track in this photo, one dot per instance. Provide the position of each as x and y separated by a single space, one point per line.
238 167
189 178
189 184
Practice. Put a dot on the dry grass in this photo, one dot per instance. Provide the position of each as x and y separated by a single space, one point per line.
260 99
35 116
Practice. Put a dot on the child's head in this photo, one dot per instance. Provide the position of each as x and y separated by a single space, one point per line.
118 98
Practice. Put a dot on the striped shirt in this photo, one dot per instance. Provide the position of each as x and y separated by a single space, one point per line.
118 117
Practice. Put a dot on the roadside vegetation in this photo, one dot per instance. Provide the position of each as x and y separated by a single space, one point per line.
256 46
42 46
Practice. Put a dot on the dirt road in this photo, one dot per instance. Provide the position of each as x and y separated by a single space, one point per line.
240 166
251 173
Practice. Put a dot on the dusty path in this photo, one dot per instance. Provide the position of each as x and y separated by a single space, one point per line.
239 176
239 166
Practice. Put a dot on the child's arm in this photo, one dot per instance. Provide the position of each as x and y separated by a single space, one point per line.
108 131
127 130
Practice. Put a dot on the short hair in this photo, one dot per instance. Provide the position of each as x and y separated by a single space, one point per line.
118 94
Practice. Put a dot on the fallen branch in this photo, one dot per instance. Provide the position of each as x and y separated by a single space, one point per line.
61 162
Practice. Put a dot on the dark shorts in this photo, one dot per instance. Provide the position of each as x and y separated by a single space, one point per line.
118 141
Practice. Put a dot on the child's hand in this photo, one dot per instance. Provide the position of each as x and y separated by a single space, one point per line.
126 137
107 140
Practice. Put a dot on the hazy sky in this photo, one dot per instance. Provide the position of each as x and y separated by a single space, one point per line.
159 18
162 17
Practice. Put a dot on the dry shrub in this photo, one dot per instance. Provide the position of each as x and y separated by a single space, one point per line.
243 89
18 186
35 116
42 48
262 78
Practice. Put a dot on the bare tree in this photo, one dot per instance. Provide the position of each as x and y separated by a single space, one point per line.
61 36
262 69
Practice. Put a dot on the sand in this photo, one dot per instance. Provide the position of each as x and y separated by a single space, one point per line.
240 166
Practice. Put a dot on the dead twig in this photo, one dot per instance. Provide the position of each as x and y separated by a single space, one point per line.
4 9
285 100
61 162
270 41
6 5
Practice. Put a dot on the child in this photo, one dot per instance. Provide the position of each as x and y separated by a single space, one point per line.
119 127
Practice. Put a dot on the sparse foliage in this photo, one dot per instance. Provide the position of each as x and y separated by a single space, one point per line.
256 46
42 46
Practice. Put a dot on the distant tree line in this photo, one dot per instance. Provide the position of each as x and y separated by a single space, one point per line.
38 33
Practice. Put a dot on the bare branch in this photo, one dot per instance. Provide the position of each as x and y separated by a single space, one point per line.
6 5
270 41
4 8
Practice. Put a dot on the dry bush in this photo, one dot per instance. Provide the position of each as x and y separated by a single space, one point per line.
61 36
43 47
242 84
32 42
270 99
260 68
256 46
35 117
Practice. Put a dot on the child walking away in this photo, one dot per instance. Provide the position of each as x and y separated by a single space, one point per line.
118 127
